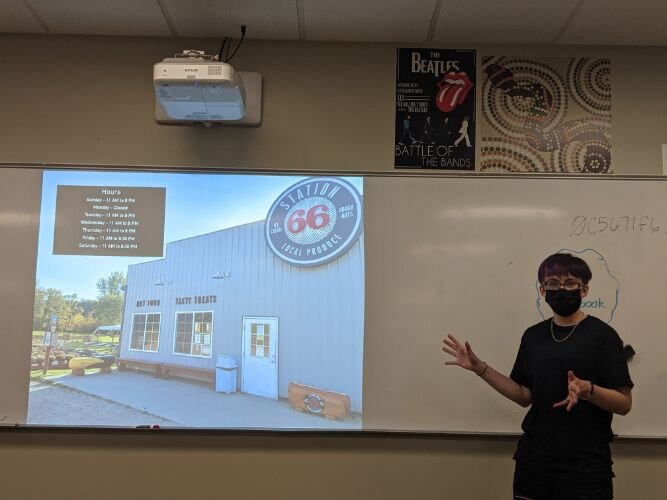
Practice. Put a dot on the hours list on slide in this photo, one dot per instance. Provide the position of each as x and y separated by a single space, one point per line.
109 220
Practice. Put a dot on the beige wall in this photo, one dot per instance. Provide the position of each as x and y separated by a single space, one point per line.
326 106
72 465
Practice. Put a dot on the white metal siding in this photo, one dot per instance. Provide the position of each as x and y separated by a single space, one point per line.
320 309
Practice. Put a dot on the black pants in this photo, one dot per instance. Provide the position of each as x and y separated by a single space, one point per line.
529 485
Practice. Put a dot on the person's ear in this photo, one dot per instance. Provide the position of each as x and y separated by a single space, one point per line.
584 291
543 292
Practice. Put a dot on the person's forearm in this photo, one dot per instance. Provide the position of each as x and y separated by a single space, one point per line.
507 387
612 400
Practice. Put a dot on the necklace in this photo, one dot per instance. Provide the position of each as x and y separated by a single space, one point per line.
566 336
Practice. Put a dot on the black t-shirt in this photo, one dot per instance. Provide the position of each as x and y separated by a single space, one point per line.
568 445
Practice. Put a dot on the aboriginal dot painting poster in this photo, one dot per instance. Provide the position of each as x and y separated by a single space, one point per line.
546 115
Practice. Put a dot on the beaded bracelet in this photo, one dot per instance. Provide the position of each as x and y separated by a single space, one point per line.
486 365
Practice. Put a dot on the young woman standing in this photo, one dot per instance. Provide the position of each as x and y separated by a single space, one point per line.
572 373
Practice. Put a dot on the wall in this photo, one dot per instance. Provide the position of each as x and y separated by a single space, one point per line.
326 106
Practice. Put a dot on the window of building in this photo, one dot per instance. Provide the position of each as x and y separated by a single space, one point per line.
194 332
260 340
145 332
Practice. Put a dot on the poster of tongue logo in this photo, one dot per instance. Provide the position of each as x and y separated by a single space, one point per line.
435 109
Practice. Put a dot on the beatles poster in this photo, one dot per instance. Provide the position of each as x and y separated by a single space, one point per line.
435 109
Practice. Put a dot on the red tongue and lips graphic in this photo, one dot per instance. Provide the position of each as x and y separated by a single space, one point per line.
454 88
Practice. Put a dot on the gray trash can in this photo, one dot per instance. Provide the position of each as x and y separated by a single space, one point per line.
225 374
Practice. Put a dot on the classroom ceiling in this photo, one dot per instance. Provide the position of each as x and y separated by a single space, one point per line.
580 22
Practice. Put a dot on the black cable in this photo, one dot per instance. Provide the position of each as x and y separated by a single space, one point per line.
229 45
222 48
238 45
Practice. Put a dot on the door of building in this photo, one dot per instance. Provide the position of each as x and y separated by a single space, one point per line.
259 370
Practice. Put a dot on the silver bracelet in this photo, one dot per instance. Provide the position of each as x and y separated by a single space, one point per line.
589 394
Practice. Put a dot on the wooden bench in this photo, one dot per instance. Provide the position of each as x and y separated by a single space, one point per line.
164 370
144 366
80 364
201 374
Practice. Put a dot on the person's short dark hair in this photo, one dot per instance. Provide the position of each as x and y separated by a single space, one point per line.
562 264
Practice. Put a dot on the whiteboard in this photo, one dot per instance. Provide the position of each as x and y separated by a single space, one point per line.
460 255
443 254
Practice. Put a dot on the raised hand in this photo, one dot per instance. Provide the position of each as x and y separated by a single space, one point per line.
462 354
575 388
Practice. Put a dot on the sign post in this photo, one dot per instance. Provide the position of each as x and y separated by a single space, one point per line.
49 341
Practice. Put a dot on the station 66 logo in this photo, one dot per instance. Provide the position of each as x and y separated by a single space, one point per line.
314 221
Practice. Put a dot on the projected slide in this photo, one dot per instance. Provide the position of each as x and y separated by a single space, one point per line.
198 300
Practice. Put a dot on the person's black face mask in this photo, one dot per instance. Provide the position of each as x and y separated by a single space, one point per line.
564 302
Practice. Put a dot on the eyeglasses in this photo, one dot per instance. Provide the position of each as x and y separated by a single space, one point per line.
567 284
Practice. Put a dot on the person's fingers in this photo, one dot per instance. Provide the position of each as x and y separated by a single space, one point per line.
570 376
573 397
469 349
561 403
454 340
456 363
449 351
449 344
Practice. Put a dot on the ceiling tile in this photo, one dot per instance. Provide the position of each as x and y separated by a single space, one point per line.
506 21
16 18
103 17
459 23
272 20
368 20
619 22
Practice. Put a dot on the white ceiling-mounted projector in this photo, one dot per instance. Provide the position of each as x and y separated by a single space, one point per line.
197 88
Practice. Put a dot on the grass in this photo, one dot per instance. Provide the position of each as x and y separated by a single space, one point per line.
77 344
38 336
36 375
52 373
99 344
